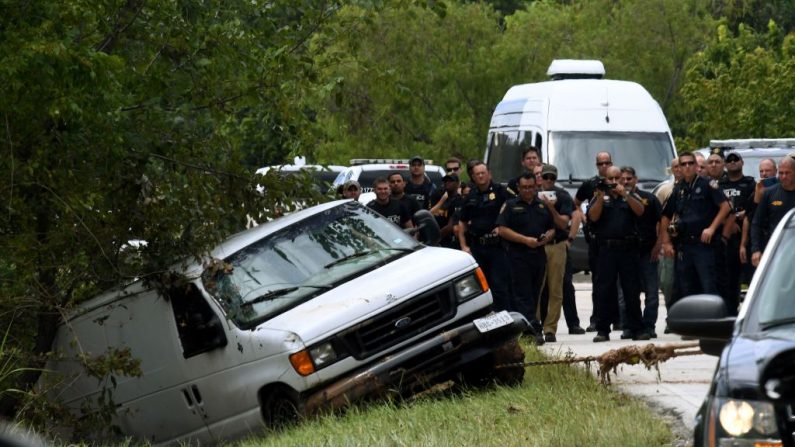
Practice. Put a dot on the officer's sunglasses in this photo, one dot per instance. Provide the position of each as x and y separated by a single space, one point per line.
453 169
687 163
549 177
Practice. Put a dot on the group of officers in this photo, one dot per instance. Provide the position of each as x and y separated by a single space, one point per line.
694 236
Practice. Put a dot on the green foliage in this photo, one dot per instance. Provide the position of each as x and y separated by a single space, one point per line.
405 80
742 85
132 119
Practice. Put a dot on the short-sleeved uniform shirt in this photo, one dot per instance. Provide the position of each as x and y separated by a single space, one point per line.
410 204
617 220
775 203
528 219
696 204
420 193
481 208
647 222
739 193
392 210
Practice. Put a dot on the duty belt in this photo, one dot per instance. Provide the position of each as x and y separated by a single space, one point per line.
487 239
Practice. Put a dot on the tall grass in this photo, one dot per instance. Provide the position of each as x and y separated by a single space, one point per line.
555 406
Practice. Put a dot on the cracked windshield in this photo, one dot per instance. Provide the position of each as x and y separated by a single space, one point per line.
301 261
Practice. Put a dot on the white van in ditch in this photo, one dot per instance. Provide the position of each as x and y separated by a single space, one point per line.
570 119
326 306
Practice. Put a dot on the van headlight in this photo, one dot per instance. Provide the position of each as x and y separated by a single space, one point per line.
743 422
317 357
470 285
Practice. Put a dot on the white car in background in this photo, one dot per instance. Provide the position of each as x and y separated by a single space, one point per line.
365 171
324 175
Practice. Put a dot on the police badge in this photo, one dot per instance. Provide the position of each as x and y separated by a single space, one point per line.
492 196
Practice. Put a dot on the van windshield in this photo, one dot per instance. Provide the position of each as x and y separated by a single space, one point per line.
574 153
299 262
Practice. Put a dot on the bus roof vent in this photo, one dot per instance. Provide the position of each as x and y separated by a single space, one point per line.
575 69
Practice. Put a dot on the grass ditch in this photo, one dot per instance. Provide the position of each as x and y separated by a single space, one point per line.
556 405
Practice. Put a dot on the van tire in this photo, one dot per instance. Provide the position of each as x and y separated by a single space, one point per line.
282 407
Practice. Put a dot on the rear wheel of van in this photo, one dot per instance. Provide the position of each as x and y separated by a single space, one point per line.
281 407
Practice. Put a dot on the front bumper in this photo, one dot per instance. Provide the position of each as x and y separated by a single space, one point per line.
416 366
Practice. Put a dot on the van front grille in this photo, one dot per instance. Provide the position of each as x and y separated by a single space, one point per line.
400 323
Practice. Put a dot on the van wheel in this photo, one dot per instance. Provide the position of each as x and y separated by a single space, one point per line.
281 408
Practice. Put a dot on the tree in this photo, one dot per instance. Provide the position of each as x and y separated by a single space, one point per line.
741 86
133 119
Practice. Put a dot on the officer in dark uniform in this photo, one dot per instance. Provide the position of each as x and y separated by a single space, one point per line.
776 201
527 225
739 190
614 214
691 216
584 195
479 236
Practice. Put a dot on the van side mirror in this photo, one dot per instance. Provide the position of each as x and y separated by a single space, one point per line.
704 317
427 228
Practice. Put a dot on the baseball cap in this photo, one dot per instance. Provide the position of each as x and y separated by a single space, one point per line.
549 169
351 183
415 159
734 156
450 178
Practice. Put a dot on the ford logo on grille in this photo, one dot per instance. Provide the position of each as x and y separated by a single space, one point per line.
402 322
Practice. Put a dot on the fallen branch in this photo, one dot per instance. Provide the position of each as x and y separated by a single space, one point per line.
650 355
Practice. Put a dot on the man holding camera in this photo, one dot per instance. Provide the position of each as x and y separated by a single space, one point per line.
692 215
613 213
527 226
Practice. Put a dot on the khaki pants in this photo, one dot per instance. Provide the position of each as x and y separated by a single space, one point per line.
556 268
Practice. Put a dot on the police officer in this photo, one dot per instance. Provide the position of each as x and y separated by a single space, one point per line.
613 213
776 201
527 225
388 207
419 187
584 194
692 216
650 246
530 160
478 233
447 202
739 190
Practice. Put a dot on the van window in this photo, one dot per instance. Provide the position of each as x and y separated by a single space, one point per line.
303 260
505 153
574 153
198 327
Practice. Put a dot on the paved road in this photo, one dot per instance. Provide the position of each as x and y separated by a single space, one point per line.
683 382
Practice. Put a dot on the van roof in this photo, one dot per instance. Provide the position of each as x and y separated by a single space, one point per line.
581 105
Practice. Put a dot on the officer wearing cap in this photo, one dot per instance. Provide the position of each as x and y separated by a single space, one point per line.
739 190
351 190
478 233
614 213
527 225
691 217
447 203
419 187
560 206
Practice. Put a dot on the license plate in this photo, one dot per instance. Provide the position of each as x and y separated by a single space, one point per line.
493 321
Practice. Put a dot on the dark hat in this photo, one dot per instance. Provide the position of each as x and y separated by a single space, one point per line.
717 151
734 156
450 178
549 169
416 158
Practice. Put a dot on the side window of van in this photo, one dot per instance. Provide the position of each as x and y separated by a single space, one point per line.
200 330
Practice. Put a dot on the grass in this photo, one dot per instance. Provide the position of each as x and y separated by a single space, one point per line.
555 406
